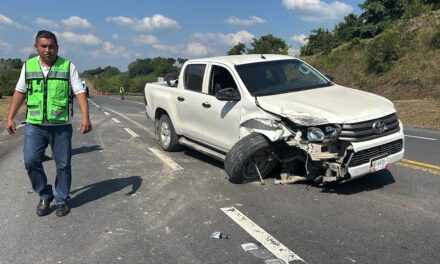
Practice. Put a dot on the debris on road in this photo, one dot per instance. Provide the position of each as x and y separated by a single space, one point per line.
287 178
249 246
219 235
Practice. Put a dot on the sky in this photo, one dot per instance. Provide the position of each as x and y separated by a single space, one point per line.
97 33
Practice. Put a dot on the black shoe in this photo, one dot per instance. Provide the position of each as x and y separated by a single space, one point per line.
43 207
62 209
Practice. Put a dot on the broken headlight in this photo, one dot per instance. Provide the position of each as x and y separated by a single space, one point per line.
318 134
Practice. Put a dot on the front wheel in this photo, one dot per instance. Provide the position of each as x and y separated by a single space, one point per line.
168 138
246 155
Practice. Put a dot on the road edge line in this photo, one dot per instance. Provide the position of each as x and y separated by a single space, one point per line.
268 241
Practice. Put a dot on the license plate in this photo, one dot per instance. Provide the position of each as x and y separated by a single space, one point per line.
379 164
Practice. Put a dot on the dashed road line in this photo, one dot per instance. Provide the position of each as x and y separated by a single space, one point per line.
116 120
167 160
427 138
131 132
131 120
95 104
106 113
268 241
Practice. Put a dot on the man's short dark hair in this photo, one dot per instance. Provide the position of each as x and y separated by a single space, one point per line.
46 34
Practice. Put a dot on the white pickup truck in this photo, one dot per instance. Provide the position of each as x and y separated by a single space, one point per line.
261 112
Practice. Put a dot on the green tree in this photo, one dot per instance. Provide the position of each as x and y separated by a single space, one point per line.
8 80
348 29
269 44
238 49
140 67
319 41
181 61
383 52
379 13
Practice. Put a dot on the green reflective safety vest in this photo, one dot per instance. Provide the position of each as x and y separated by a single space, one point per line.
48 97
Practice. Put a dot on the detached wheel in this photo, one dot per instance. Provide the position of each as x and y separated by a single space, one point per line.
251 151
168 138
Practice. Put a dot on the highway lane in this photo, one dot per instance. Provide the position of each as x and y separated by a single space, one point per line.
131 206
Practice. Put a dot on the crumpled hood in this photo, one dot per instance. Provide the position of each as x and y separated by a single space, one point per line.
335 104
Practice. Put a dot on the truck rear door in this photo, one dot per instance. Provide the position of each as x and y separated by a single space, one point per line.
189 101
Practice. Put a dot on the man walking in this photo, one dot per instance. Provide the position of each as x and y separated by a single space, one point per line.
46 83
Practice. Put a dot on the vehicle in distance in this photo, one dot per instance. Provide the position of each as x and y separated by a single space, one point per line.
256 111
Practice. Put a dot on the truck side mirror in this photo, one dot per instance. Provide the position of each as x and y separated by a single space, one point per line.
228 94
330 77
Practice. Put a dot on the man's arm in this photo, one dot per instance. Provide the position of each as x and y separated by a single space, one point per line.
85 126
17 101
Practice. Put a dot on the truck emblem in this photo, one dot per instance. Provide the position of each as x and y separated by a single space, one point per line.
379 127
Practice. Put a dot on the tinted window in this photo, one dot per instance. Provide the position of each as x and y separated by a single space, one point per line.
194 77
275 77
220 78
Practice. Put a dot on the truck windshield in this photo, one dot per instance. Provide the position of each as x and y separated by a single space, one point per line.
276 77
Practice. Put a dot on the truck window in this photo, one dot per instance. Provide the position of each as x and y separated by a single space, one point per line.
277 77
193 77
220 78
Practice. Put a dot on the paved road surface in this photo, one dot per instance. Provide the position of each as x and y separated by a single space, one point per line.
133 203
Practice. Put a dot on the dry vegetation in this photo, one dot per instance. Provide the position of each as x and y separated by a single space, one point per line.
4 107
422 114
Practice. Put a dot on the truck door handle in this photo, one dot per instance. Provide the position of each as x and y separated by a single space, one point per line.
206 105
180 99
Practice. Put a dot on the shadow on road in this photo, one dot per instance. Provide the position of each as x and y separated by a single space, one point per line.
364 184
85 149
202 157
98 190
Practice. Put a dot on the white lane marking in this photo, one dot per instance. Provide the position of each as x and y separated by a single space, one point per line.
131 132
95 104
167 160
268 241
106 113
131 120
116 120
427 138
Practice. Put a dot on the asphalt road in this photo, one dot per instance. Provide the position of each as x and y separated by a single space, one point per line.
133 203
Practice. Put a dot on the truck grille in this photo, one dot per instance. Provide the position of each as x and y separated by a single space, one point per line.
364 156
365 130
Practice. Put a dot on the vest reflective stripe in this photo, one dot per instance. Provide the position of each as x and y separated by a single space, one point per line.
59 75
34 113
48 97
34 75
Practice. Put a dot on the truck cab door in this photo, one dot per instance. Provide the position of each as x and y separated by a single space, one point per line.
220 119
189 100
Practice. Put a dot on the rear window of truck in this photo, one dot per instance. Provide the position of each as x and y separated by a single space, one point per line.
193 77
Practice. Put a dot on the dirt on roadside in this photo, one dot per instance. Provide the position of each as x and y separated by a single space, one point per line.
5 102
420 114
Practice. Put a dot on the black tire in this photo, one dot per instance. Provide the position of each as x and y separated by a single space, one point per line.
241 159
166 134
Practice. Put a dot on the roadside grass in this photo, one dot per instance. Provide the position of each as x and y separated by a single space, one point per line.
4 107
419 113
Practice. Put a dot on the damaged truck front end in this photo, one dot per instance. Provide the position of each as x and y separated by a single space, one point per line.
340 152
310 151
